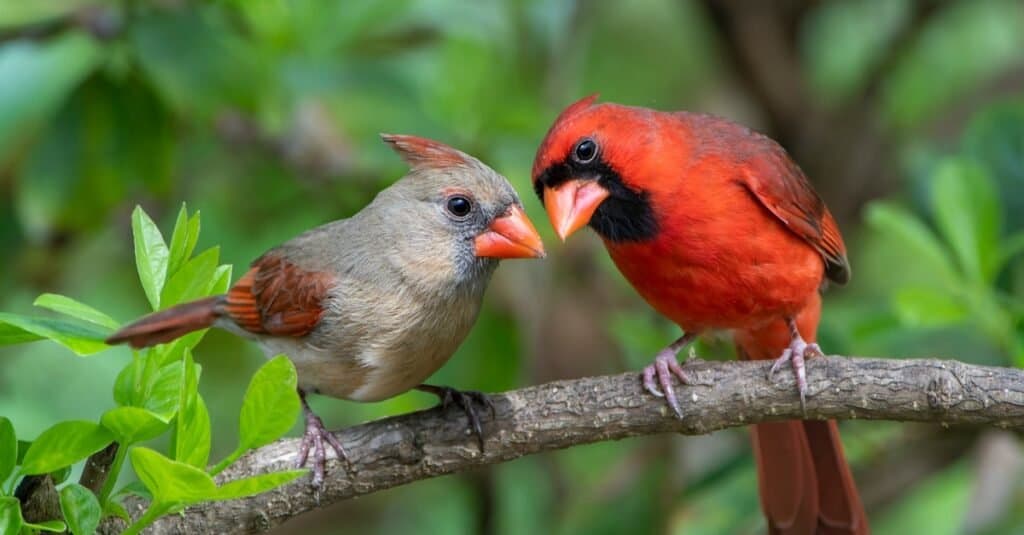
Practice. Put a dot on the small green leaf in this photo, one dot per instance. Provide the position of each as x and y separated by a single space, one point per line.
81 338
256 484
8 448
10 516
271 404
171 482
60 475
64 444
163 395
179 239
114 508
126 385
967 211
53 526
193 279
133 424
221 280
150 255
70 307
192 439
81 509
928 307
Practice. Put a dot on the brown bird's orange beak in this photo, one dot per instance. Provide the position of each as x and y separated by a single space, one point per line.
510 236
571 205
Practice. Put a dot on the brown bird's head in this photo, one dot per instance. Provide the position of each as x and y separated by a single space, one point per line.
450 201
578 171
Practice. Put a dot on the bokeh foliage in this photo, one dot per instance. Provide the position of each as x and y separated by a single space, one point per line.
263 114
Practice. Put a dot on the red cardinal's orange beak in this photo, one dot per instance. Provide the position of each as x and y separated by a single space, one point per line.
571 205
510 236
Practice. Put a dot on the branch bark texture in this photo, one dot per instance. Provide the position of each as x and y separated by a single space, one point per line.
403 449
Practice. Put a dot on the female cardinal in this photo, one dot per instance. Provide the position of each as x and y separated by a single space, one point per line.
370 306
717 228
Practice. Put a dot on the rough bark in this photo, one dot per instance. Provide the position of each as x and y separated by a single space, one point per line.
403 449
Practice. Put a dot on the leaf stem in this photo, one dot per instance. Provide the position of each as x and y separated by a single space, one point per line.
115 471
224 463
154 512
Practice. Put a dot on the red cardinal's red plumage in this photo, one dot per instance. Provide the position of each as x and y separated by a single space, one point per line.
717 228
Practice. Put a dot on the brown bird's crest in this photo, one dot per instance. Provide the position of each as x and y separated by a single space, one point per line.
423 153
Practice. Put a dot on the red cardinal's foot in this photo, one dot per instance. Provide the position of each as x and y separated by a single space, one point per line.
660 372
795 354
466 400
313 440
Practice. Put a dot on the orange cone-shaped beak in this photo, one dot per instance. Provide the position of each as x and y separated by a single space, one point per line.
510 236
571 205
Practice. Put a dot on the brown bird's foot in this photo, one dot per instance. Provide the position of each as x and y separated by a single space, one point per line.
313 440
466 400
664 367
795 354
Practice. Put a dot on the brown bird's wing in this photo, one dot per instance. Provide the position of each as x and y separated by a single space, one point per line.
777 183
277 297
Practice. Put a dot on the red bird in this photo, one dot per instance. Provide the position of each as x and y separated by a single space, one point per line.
717 228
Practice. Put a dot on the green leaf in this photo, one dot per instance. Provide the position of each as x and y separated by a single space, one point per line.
38 76
114 508
171 482
192 439
64 444
193 279
70 307
163 395
8 448
53 526
928 307
271 404
81 509
60 475
968 214
133 424
150 255
83 339
179 238
889 218
256 484
10 516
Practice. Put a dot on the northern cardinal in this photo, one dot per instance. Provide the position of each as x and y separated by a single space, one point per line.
716 228
370 306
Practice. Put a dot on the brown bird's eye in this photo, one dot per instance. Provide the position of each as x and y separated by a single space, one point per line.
585 151
459 206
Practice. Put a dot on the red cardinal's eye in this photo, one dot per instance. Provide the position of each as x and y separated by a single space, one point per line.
459 206
585 151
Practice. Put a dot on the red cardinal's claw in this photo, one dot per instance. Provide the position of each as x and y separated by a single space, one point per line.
660 373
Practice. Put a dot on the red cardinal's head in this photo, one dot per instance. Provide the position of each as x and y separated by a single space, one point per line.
580 172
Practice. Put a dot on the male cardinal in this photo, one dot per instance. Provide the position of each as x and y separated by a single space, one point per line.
370 306
717 228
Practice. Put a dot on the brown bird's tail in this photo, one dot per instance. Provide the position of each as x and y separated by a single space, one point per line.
805 483
166 325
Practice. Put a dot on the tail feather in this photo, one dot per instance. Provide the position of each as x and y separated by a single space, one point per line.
166 325
805 483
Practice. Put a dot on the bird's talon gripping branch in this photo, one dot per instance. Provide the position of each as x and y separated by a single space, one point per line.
795 354
466 400
313 439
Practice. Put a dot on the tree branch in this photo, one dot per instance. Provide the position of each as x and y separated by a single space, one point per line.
403 449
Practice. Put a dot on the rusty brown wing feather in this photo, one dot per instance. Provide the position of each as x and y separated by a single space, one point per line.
278 298
779 185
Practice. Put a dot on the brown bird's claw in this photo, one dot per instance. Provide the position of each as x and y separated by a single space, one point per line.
663 368
313 440
795 354
466 400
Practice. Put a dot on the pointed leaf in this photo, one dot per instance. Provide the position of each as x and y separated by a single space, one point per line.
8 448
251 486
64 444
162 399
192 439
271 404
170 481
70 307
967 212
81 509
192 280
81 338
53 526
889 218
150 255
133 424
179 239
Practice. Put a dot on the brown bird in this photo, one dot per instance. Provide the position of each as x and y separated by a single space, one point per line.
370 306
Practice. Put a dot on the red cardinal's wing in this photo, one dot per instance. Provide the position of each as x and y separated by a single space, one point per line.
778 184
276 297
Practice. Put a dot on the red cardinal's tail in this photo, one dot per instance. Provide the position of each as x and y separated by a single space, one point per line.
805 484
166 325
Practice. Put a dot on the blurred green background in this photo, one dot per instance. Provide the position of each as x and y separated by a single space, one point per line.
263 115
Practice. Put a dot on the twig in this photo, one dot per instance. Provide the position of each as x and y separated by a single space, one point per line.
403 449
